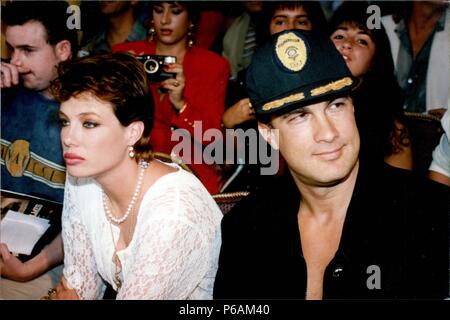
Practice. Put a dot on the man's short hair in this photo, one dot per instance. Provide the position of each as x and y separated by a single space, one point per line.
52 14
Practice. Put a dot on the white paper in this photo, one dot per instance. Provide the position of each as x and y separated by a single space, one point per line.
21 231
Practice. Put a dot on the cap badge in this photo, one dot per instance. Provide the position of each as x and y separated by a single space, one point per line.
291 51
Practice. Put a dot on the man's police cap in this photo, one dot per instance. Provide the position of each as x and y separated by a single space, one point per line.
296 68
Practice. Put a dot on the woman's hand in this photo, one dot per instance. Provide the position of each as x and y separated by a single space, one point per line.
175 86
238 113
14 269
64 291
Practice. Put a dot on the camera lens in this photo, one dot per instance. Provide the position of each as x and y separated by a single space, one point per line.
151 66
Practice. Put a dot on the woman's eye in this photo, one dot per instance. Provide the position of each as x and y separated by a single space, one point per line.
338 37
63 122
177 11
363 42
279 22
157 10
89 124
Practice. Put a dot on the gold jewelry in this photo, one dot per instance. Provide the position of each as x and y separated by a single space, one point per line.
49 295
190 35
151 31
182 108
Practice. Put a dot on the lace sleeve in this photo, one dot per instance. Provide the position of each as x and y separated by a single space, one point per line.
80 268
175 250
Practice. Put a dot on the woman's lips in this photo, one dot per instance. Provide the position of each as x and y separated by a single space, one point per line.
165 32
72 159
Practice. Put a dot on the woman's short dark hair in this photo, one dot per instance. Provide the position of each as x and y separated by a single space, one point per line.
117 78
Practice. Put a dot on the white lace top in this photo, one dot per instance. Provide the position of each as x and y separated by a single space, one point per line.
174 250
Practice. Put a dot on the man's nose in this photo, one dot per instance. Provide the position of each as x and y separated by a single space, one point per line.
16 58
325 129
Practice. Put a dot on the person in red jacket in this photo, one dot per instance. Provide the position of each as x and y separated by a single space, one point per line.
195 93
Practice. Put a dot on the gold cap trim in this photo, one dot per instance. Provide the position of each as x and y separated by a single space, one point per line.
280 102
333 86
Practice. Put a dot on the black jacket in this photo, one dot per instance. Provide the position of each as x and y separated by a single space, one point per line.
394 222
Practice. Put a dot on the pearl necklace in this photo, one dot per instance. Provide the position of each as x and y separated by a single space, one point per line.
143 165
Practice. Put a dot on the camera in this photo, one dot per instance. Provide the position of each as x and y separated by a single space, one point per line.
154 65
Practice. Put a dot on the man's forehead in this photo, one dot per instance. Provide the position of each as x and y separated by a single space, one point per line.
31 33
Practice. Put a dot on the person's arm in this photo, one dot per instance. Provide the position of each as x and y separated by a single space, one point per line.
204 98
238 113
439 177
439 170
80 274
14 269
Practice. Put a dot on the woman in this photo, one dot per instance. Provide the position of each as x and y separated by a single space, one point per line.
149 229
378 100
195 96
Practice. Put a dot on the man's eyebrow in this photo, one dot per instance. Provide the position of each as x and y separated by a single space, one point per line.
20 46
298 110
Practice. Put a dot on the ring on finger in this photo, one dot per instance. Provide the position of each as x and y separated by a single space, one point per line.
50 293
176 83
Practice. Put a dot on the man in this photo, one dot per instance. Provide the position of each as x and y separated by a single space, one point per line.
419 37
122 25
334 227
32 161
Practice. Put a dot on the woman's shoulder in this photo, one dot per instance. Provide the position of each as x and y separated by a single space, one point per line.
177 181
181 194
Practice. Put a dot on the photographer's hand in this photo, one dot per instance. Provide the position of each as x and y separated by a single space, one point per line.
175 87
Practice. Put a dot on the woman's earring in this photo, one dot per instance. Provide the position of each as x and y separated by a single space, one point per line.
151 32
190 35
131 152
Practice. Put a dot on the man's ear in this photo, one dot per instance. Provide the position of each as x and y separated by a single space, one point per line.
134 132
63 50
269 134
